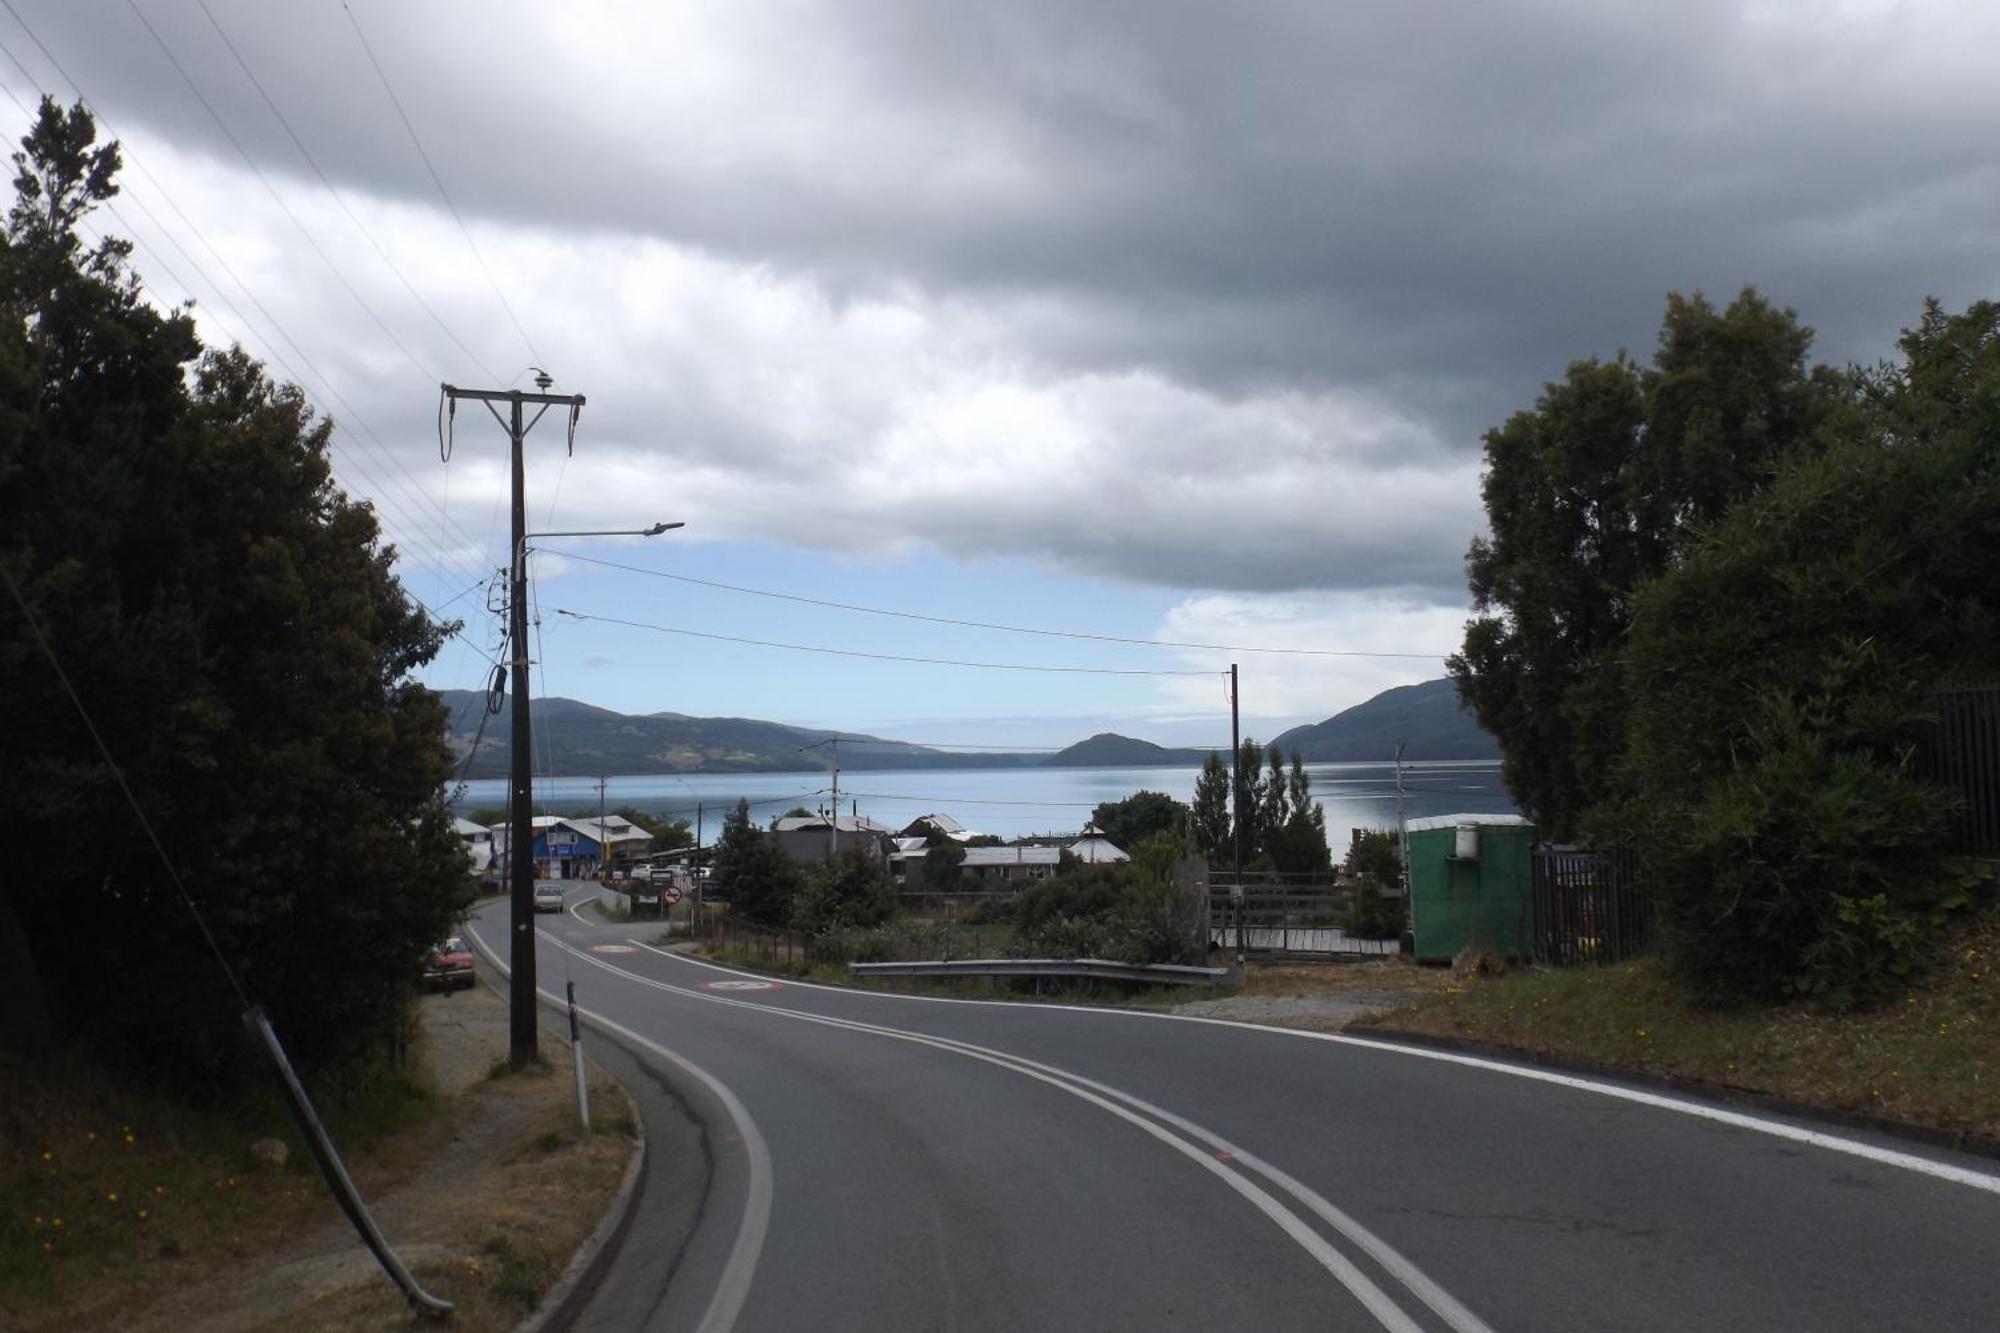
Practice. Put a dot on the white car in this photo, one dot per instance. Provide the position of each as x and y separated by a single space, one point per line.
548 898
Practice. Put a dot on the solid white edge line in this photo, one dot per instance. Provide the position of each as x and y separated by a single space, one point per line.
1371 1296
732 1288
1959 1175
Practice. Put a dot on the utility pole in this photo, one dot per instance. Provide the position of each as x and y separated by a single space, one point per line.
833 815
833 827
603 842
1402 834
521 1026
1236 805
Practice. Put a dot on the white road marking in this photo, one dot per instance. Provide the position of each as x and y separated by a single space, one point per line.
1959 1175
733 1287
1372 1298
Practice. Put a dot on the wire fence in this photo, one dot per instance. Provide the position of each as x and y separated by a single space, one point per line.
1963 753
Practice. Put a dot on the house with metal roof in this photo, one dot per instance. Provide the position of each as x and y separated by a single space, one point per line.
1093 848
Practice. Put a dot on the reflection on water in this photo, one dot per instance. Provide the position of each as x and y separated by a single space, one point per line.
1013 802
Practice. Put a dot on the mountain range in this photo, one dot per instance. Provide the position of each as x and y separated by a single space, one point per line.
574 737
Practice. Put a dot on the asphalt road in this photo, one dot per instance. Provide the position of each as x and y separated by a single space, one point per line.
883 1162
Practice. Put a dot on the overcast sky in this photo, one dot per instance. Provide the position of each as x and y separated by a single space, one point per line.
1162 321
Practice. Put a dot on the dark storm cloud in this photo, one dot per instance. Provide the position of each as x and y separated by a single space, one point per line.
1428 206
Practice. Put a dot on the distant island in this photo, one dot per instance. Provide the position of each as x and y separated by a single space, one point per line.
575 737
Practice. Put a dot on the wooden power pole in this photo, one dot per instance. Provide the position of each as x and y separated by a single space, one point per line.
521 1024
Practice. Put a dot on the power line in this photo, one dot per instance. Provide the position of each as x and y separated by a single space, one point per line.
368 439
880 657
338 198
438 181
277 198
982 624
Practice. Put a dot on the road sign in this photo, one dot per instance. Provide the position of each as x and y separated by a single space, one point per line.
670 894
741 985
614 948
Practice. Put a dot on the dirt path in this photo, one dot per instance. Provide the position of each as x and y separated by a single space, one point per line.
486 1202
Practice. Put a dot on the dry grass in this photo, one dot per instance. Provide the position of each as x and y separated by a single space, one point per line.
155 1217
1932 1059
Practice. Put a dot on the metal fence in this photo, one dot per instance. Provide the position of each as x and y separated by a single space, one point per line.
1588 907
1963 753
1268 915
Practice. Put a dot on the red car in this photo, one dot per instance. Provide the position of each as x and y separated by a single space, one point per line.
449 967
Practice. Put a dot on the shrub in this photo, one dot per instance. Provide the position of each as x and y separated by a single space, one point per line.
850 890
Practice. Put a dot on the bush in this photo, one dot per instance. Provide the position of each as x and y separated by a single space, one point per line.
1809 872
1129 912
1374 915
852 889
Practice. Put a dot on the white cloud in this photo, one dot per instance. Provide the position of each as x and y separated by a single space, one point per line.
1295 687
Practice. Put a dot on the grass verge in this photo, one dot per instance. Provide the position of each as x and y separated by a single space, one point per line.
1931 1059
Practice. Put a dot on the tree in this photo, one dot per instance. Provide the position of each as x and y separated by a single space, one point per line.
848 890
1595 490
944 865
758 877
1139 816
236 630
1211 809
1782 675
1296 844
1374 854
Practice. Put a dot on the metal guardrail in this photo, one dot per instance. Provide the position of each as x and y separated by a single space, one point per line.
1174 974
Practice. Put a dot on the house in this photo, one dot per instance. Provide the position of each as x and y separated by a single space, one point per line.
573 848
808 838
1093 848
478 840
936 826
1004 864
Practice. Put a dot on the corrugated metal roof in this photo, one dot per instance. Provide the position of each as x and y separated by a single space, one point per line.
1453 821
1012 856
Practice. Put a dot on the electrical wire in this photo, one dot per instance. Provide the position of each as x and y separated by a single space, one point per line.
437 180
338 198
880 657
369 439
277 198
983 624
384 495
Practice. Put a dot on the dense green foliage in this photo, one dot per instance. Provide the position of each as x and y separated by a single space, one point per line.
944 865
1281 827
1782 675
749 870
1211 810
234 626
1129 822
1591 493
1137 911
850 890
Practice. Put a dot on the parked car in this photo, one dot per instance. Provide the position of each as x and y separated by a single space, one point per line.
548 897
450 966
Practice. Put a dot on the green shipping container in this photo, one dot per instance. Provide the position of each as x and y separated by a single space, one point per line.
1472 882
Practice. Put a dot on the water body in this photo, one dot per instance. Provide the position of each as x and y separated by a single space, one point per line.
1015 802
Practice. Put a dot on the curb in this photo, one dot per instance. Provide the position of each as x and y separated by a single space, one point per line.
1952 1140
565 1297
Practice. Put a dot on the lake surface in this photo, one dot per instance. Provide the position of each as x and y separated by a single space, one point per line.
1014 802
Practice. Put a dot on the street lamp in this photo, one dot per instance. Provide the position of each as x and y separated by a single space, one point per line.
520 837
653 531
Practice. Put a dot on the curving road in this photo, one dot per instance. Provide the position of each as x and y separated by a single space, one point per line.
890 1162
